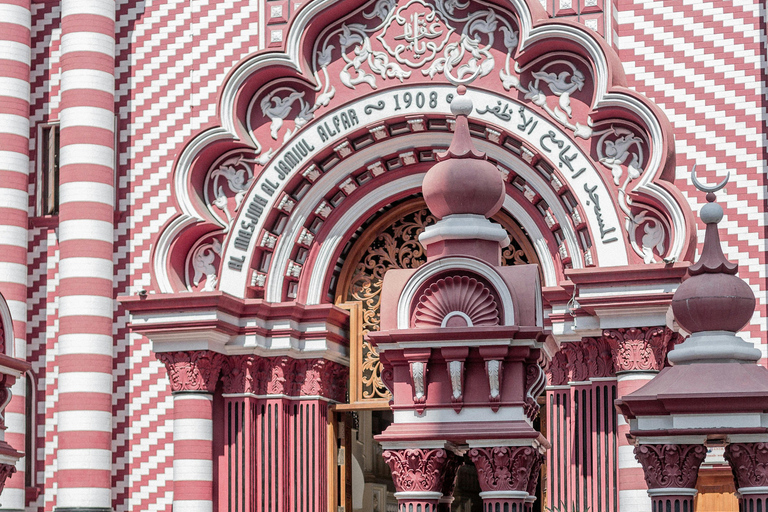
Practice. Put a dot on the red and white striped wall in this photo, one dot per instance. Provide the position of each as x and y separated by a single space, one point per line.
15 40
86 230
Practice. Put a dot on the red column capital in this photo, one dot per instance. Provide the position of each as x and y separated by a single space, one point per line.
195 370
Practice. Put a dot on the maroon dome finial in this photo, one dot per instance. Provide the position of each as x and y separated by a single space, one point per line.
713 298
463 181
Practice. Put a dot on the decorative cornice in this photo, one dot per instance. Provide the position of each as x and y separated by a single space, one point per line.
196 370
417 469
749 463
670 465
504 468
284 376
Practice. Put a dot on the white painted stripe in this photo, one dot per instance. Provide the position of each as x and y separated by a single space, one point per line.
13 161
86 79
16 422
90 116
634 500
13 50
627 458
14 87
85 305
86 267
192 506
14 497
73 154
14 198
88 42
15 14
104 8
86 229
85 344
186 470
85 382
85 421
83 497
13 273
191 429
18 308
84 458
13 124
193 396
86 191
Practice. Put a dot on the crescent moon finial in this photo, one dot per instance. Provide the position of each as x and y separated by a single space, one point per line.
705 188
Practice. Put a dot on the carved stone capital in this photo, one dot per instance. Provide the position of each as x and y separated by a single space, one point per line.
504 468
6 470
643 348
533 479
237 374
670 465
417 469
749 463
195 370
557 369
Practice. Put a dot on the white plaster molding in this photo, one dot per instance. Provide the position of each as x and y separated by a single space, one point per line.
479 415
464 227
672 491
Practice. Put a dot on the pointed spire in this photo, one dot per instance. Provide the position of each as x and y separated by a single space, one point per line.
461 145
712 259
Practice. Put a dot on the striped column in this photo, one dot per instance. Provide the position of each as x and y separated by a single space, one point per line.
193 376
86 213
15 24
638 355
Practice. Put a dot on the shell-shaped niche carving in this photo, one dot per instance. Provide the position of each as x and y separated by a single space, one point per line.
456 301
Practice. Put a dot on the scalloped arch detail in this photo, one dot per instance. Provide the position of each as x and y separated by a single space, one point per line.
456 301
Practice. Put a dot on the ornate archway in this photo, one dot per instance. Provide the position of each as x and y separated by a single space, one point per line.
315 138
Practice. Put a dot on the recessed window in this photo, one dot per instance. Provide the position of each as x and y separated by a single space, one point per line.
49 170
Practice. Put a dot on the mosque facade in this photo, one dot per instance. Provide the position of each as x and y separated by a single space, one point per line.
201 201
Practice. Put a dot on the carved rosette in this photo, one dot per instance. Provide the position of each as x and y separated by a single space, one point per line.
670 465
504 468
643 349
196 370
749 463
417 469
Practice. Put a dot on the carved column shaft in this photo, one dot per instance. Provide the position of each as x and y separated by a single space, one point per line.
671 471
749 463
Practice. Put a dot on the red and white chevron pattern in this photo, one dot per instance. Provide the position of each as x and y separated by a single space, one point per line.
704 64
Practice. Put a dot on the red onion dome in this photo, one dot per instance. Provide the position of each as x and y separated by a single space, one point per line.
713 298
463 180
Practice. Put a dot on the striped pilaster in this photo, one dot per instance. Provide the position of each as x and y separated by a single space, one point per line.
86 213
193 452
633 491
15 41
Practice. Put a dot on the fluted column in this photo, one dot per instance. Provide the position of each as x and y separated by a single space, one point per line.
193 376
419 475
15 30
86 230
638 355
671 471
749 463
505 474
